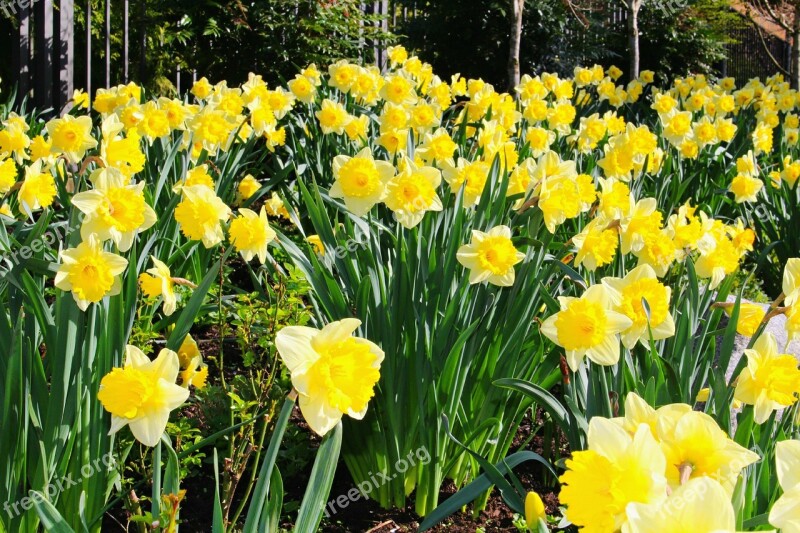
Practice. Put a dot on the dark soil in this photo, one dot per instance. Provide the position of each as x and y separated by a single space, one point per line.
363 515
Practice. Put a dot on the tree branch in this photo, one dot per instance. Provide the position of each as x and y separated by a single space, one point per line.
763 5
766 49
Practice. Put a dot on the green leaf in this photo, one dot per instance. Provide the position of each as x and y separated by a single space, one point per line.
320 483
52 521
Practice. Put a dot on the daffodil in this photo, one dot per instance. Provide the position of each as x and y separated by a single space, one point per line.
114 209
785 513
38 189
587 327
333 372
316 242
750 317
746 188
89 272
687 510
597 244
695 446
770 380
534 511
157 282
142 394
630 294
71 136
616 470
195 374
360 180
471 175
491 257
250 234
248 187
332 117
413 192
200 213
188 351
791 281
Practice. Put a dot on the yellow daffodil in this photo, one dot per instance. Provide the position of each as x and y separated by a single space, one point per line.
334 373
587 327
597 244
80 99
471 176
248 187
717 260
630 293
695 446
534 511
114 209
188 351
200 213
413 192
791 281
142 394
750 317
491 257
332 117
38 189
196 373
157 282
746 188
316 242
8 175
616 470
71 136
770 380
201 88
250 234
687 510
785 513
90 272
360 180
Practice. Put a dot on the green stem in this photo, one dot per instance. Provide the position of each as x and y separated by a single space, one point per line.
156 481
262 489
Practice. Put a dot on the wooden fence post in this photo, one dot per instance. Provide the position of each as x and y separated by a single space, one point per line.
89 47
43 50
66 52
23 53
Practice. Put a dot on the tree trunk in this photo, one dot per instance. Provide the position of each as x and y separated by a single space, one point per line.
518 6
633 37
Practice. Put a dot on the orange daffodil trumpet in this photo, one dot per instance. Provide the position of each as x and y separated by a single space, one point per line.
333 372
491 257
589 327
142 394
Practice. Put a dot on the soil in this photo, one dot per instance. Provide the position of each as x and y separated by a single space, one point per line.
363 515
